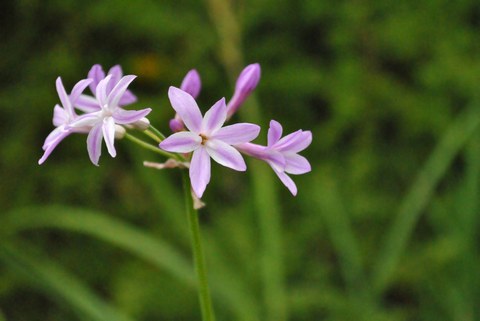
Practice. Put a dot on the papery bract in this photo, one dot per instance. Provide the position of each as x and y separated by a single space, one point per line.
206 138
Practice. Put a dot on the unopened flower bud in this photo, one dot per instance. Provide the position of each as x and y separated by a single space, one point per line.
119 131
246 83
141 124
176 125
192 83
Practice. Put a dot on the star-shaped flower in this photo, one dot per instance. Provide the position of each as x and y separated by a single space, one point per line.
63 116
207 138
282 153
102 122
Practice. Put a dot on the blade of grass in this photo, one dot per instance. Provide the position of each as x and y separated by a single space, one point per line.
50 277
420 192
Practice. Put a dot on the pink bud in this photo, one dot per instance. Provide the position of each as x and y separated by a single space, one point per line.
246 83
176 125
192 83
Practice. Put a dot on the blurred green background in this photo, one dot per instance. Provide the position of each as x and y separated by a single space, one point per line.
385 227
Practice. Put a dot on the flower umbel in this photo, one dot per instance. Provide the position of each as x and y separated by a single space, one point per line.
207 138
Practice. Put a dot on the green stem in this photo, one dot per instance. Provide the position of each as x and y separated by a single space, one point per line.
152 135
156 132
198 256
152 148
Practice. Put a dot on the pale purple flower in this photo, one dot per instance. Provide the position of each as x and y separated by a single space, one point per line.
282 153
88 104
109 113
63 116
246 83
206 138
192 85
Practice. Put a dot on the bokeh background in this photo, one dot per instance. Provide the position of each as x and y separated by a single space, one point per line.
385 227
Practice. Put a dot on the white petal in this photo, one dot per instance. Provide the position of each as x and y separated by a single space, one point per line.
94 143
200 171
181 142
108 129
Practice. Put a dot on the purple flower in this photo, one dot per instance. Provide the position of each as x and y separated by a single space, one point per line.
282 153
88 103
63 116
207 138
246 83
102 122
191 84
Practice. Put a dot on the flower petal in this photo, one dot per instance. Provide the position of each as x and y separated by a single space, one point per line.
123 116
287 181
79 88
117 73
214 117
67 105
108 130
274 132
296 164
88 120
60 117
101 91
187 108
276 160
225 155
181 142
237 133
127 98
117 92
305 141
294 141
51 142
97 74
94 143
87 104
200 171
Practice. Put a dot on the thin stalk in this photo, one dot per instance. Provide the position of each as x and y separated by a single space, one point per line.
156 132
198 256
151 147
152 135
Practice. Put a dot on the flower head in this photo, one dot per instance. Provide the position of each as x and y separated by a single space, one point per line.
206 138
282 153
88 103
102 122
63 116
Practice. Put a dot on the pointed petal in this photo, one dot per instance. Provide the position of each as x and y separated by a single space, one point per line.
117 73
225 155
187 108
214 117
88 120
296 164
192 83
294 142
237 133
53 141
200 171
87 104
101 92
97 74
181 142
127 98
60 117
117 92
63 96
123 116
287 181
54 134
108 130
79 88
94 143
274 132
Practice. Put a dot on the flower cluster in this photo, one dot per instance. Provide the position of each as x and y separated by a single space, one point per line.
197 139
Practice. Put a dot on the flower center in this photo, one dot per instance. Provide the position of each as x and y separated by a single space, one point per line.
204 138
